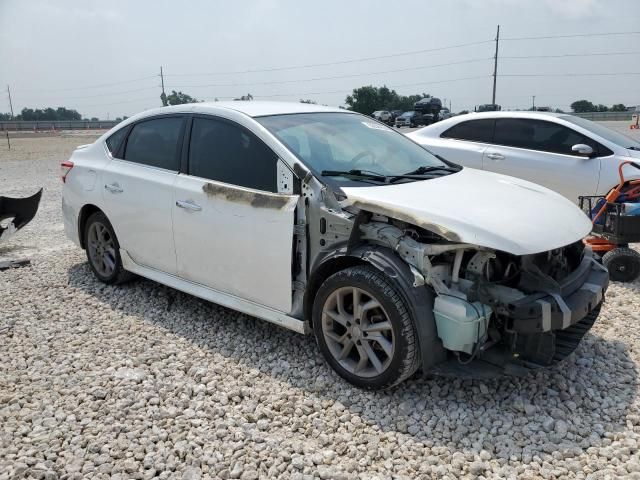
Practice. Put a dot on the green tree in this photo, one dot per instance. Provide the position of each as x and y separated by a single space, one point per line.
5 116
308 101
368 99
60 113
245 98
581 106
601 108
618 107
177 98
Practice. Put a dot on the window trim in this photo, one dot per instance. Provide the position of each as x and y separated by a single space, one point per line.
186 150
123 147
493 131
597 150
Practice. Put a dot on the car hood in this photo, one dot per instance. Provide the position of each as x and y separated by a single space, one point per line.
633 153
480 208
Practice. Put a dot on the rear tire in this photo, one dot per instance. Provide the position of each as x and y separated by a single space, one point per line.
103 250
623 264
364 329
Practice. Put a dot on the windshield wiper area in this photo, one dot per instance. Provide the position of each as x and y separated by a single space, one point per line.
422 172
633 147
364 174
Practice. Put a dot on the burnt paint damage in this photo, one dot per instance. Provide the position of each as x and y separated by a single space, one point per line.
255 199
399 215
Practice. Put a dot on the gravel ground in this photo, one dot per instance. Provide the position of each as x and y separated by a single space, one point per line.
141 381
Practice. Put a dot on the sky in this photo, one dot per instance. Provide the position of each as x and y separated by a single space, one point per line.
103 58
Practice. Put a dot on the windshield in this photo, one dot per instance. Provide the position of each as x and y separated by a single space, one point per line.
604 132
407 114
347 141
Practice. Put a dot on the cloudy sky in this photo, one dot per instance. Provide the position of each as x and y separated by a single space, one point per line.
103 57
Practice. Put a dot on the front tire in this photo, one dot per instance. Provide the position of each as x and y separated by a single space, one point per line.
623 264
103 250
364 329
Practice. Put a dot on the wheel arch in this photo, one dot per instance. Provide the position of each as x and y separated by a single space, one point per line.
419 299
85 212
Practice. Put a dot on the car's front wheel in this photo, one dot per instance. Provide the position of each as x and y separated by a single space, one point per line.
364 329
103 250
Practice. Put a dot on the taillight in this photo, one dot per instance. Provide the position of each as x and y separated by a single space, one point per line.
65 168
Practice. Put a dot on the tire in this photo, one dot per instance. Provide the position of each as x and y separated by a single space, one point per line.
107 271
385 331
623 264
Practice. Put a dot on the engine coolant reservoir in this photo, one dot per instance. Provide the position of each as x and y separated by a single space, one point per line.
460 323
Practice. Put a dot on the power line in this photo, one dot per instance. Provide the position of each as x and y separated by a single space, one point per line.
571 36
327 64
91 86
279 82
571 55
567 74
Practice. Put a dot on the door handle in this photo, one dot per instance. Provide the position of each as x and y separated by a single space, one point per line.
113 188
188 205
495 156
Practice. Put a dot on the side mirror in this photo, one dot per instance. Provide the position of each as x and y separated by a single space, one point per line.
582 149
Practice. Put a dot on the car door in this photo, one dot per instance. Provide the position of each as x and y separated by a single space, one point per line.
233 230
138 191
540 151
465 142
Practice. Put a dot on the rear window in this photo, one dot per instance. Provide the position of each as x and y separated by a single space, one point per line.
155 143
472 130
115 140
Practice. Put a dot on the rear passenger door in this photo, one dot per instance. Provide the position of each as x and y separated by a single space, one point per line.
233 229
540 151
138 190
465 142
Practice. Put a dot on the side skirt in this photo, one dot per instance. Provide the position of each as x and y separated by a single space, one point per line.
215 296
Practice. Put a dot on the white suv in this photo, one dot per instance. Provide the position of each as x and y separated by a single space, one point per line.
322 220
568 154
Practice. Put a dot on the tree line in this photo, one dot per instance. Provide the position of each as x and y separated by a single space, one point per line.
365 100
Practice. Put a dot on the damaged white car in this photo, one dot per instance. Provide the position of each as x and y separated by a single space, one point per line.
326 221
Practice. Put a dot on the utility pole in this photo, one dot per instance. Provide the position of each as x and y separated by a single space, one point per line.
163 96
495 67
10 104
533 103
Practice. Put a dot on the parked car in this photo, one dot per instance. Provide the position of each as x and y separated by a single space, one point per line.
408 119
382 116
568 154
446 113
323 220
395 114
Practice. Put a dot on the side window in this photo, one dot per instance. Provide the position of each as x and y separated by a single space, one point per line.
539 135
155 143
115 140
472 130
226 152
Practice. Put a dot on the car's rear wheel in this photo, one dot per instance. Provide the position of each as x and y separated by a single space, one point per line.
623 264
364 328
103 250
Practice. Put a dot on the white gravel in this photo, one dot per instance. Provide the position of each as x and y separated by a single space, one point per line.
141 381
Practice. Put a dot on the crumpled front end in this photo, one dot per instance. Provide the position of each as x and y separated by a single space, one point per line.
15 213
495 311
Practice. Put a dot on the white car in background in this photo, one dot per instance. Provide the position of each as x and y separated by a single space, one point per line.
568 154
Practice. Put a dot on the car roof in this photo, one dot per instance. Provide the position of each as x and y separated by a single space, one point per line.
512 114
252 108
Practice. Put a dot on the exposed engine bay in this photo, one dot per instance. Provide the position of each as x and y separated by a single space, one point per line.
488 298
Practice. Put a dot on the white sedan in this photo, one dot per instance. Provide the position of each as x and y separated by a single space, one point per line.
568 154
326 221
